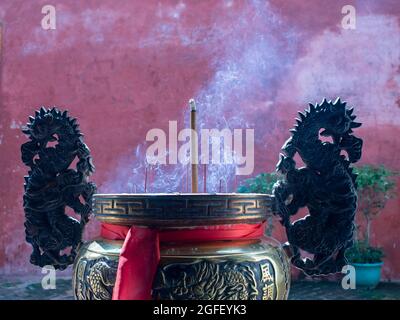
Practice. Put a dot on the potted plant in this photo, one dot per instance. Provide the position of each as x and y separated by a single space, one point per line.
262 183
375 186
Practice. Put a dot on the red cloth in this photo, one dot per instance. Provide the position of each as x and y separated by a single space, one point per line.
140 253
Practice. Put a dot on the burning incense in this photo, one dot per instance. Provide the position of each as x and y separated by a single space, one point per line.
205 178
187 179
236 184
145 179
193 151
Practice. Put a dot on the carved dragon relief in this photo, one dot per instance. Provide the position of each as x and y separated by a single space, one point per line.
55 141
326 186
215 280
95 278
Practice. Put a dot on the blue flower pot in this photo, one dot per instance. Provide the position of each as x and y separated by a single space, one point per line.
368 274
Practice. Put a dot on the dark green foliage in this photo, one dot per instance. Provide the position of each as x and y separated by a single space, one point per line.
262 183
361 252
375 185
378 178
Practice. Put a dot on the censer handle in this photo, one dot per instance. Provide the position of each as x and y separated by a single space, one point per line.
51 186
326 185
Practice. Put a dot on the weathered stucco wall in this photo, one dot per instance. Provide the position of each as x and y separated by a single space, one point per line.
125 67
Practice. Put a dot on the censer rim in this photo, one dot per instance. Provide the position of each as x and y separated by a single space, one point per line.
172 210
179 194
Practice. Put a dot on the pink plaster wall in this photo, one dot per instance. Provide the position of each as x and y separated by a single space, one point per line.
124 67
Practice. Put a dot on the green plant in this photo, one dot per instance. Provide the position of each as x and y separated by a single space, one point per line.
262 183
361 252
375 186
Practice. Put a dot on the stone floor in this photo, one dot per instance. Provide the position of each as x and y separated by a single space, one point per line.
324 290
13 288
22 288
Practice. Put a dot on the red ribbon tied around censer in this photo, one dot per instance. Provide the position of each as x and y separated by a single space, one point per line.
140 253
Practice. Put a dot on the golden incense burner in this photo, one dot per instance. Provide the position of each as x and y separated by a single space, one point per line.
217 270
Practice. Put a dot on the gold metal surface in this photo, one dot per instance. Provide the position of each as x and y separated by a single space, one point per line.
95 270
221 270
251 269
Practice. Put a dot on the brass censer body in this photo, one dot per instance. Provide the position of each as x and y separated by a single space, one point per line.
216 270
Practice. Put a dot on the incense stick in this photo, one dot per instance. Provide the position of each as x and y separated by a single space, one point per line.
193 150
187 178
205 178
145 179
236 184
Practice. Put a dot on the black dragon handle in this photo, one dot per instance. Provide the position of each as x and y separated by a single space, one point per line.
326 185
54 143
